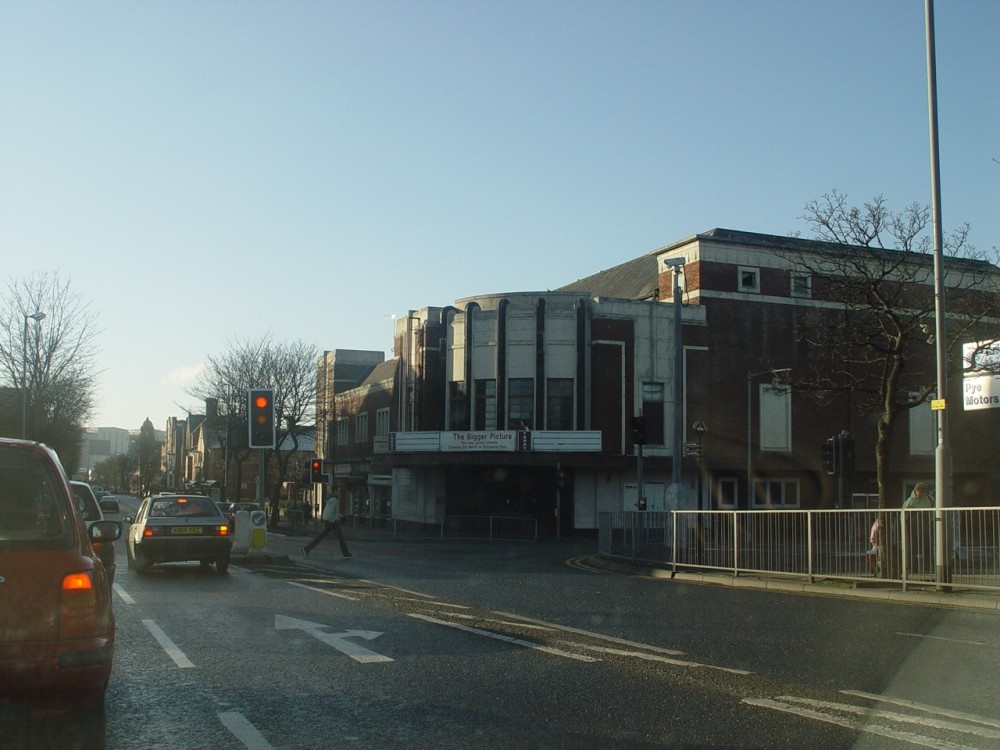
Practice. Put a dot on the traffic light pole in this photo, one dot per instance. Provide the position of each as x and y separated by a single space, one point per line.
261 468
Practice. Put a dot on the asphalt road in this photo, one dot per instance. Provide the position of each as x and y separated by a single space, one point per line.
451 645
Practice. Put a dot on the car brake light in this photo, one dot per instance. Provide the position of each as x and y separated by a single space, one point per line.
77 582
148 531
77 606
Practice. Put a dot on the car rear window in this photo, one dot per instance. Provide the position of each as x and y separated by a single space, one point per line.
179 507
87 503
33 509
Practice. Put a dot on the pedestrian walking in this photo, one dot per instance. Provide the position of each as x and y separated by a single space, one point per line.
875 537
331 522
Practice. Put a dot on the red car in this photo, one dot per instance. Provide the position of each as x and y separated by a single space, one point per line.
57 630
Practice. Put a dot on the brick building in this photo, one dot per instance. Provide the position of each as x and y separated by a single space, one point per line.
523 403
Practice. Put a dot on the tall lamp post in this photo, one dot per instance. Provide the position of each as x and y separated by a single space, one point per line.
751 494
36 316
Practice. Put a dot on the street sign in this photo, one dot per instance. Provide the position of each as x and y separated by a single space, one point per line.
692 449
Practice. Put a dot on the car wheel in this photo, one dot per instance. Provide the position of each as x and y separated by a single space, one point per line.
222 564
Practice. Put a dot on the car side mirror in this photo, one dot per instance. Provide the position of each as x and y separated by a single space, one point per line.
105 531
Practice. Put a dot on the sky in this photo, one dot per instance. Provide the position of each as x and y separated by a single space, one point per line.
207 172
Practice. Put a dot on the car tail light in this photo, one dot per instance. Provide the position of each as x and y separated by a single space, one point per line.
223 530
77 606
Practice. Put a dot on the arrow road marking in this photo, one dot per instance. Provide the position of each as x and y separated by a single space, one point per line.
336 640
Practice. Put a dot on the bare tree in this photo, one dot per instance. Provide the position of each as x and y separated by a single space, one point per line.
288 368
875 281
48 353
118 471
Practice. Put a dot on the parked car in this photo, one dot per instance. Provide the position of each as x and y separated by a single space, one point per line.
179 528
57 630
91 511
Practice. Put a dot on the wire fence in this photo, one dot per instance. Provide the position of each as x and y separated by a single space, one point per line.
897 546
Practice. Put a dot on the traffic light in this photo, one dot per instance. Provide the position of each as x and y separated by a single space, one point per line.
261 417
830 455
316 471
639 430
846 453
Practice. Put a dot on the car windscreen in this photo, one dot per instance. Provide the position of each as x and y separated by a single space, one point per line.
34 514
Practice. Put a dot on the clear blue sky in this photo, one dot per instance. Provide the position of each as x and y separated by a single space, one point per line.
347 161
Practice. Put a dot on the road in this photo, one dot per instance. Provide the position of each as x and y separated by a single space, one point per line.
436 645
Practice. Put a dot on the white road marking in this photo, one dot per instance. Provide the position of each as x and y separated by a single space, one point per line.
524 625
168 645
879 721
941 638
963 716
336 640
123 594
244 731
318 590
856 725
663 659
596 636
504 638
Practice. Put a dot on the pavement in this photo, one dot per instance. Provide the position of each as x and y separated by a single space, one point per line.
282 546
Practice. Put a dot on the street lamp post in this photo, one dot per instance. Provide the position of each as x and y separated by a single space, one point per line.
751 494
36 316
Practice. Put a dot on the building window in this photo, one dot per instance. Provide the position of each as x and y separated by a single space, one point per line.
361 428
727 492
382 423
775 418
749 279
652 410
521 398
801 285
343 430
777 493
923 431
559 407
486 405
458 412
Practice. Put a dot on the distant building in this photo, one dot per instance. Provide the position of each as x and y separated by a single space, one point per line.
102 443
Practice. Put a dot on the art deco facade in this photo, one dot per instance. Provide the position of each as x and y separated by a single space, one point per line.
523 403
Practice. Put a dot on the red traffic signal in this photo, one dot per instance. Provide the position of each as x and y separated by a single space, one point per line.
316 471
261 418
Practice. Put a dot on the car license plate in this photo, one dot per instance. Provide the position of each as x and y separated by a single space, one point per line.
186 530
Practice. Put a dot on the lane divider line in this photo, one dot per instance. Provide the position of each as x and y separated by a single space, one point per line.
504 638
168 645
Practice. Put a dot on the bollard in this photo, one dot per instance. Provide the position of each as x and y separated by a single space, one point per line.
258 532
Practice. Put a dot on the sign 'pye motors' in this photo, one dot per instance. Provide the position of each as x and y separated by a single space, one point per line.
981 375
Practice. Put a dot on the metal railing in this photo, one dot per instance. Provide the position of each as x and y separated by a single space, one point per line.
486 528
815 544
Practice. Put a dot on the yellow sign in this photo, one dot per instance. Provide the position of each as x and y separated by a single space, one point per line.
937 404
